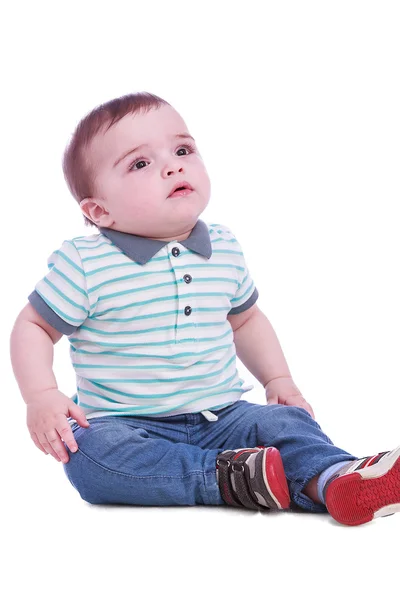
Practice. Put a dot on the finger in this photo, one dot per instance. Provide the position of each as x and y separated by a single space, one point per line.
272 400
47 446
37 443
77 413
301 403
56 444
309 410
65 432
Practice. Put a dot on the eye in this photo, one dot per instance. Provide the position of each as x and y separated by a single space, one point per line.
187 147
136 162
141 159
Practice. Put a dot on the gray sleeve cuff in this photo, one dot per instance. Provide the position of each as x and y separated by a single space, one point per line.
252 300
49 315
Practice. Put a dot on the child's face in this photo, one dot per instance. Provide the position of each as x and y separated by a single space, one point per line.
132 195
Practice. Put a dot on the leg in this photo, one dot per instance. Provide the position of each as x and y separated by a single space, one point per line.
120 462
306 451
311 489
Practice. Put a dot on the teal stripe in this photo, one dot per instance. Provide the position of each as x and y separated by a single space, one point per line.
71 283
134 304
64 296
246 293
162 299
59 312
70 262
157 381
92 242
156 315
154 286
163 271
98 235
223 251
240 298
97 256
131 290
140 367
133 276
147 356
143 411
220 239
151 396
109 408
244 280
167 343
152 329
212 266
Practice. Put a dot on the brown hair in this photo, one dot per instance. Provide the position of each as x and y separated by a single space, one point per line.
78 172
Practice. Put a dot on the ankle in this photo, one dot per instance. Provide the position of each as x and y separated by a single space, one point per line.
311 490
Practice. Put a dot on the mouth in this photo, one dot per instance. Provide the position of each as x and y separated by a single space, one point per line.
183 188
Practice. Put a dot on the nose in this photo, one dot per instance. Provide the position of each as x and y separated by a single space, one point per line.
173 166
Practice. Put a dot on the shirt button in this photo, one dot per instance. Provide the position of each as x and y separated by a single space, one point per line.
188 310
187 278
176 251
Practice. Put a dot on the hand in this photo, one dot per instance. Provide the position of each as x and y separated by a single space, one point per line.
47 414
283 390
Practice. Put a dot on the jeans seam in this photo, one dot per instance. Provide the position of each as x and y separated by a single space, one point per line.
114 472
206 473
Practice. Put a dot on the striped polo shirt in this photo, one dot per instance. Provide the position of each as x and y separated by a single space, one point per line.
147 320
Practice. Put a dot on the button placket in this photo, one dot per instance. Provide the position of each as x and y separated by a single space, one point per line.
187 278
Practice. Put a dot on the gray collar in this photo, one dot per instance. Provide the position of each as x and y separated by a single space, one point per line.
142 249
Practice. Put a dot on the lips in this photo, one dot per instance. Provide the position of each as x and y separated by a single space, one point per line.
180 185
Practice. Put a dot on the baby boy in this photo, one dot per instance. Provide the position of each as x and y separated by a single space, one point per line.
157 305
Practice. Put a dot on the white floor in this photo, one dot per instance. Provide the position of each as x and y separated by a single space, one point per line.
57 546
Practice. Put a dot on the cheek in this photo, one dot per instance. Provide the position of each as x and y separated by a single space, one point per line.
205 180
140 200
132 190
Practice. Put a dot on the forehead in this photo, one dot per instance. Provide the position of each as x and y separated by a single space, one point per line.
154 127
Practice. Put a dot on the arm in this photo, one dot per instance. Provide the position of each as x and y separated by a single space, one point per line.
257 345
31 344
259 350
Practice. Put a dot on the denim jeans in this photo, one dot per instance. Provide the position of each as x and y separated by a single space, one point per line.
172 460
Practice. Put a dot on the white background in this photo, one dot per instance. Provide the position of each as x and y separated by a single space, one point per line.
295 109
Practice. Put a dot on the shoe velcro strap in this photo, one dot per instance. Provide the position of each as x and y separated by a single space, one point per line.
241 487
224 481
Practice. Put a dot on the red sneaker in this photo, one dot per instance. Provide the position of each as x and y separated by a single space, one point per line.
365 489
253 478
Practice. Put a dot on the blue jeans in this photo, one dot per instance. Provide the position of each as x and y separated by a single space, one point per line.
172 460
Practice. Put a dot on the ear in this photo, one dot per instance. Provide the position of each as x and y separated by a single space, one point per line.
94 210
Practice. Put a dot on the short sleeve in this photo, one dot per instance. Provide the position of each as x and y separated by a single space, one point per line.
246 293
61 297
